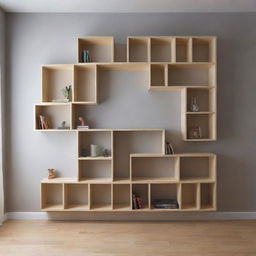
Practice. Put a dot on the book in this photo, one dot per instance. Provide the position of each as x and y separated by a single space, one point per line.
165 204
168 149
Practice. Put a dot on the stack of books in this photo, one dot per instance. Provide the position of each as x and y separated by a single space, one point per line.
43 122
168 149
136 202
165 204
83 127
86 56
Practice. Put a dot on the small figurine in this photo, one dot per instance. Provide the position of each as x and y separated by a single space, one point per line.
195 132
63 125
81 121
105 153
194 105
67 92
51 173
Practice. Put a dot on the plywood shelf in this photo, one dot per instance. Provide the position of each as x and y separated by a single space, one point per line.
136 161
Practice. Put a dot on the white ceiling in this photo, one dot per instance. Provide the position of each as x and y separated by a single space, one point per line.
128 5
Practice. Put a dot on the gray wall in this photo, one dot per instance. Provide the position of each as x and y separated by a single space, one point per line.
36 39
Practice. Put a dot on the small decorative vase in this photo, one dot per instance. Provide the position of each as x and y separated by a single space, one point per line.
194 105
96 150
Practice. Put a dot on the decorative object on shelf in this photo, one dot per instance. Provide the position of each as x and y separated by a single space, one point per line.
63 126
51 173
195 132
96 150
67 92
194 106
81 123
86 56
106 153
43 122
136 201
60 101
168 149
165 204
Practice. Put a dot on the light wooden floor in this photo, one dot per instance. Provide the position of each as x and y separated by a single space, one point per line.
58 238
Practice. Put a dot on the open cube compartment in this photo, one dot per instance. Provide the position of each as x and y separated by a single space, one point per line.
154 168
55 114
208 196
142 191
182 49
102 138
191 75
121 197
206 122
52 197
197 168
95 170
76 197
101 197
161 49
54 79
189 196
138 49
203 49
164 191
158 75
101 49
85 83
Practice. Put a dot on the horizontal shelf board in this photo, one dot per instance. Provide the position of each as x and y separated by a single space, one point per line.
196 180
152 155
122 130
121 180
53 104
98 158
128 66
55 130
164 210
177 88
190 207
96 180
60 180
207 208
154 180
122 207
101 207
200 113
146 209
84 102
53 207
77 207
199 140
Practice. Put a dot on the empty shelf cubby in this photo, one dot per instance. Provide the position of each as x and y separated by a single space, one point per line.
54 79
164 191
121 197
189 196
183 50
101 138
154 167
94 170
203 49
208 196
54 115
52 197
197 168
85 83
190 75
76 197
141 191
158 75
101 49
161 49
101 197
138 49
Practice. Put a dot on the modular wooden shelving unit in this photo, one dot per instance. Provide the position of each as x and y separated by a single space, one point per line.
187 64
